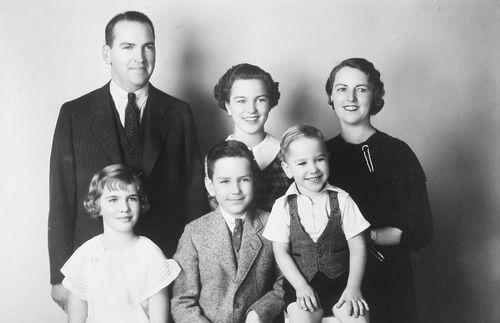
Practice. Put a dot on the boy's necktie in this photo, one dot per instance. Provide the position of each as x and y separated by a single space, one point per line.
132 120
237 233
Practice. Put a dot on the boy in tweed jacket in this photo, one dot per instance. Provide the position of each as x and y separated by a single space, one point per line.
228 271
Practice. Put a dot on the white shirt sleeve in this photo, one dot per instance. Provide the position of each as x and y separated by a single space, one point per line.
160 270
353 222
278 225
75 271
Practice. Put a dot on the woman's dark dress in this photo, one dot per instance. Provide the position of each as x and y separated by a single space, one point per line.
392 194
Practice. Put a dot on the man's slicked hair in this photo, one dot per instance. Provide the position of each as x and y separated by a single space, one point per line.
125 16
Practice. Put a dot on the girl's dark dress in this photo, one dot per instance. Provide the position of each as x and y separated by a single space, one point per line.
386 180
272 183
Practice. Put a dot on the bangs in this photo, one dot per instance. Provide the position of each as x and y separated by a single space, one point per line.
120 184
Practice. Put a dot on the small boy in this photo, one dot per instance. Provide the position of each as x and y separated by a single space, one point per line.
228 270
317 234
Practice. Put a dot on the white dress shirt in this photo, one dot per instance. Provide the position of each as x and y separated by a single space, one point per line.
120 98
230 219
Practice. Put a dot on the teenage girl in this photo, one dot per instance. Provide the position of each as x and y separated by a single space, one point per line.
248 93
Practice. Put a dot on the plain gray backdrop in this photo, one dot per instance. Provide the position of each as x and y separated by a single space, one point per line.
438 60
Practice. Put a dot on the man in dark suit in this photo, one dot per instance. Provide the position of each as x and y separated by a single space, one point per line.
126 121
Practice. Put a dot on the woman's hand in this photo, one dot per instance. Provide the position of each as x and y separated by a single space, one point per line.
307 299
386 236
356 304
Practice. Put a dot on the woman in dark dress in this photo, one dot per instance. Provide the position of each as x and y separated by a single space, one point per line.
386 180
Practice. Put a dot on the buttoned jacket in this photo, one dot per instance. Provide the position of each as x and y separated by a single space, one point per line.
86 140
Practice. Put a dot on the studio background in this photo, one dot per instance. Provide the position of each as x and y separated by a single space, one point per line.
438 61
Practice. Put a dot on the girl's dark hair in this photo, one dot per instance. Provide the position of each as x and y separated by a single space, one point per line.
244 71
373 78
228 148
113 177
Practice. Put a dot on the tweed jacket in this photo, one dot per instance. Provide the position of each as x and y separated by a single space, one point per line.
213 286
86 140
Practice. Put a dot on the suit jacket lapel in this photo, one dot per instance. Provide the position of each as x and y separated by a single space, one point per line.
222 245
157 127
250 245
103 123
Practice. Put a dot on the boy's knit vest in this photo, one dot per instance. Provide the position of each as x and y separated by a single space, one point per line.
330 254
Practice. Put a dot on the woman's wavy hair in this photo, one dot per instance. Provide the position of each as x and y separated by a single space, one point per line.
373 74
244 71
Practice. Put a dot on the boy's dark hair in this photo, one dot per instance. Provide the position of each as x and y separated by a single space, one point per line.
373 74
244 71
298 132
137 16
228 148
113 177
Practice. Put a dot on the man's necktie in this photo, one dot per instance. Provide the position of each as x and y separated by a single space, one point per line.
132 115
238 231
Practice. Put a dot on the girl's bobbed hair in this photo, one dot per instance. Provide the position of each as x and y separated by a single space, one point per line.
373 74
113 177
245 71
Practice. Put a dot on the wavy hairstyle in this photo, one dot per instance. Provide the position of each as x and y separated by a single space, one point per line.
373 74
244 71
113 177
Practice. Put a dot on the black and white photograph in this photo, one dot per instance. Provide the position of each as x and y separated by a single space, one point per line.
246 161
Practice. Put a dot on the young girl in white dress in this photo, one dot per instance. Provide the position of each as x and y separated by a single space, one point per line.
118 276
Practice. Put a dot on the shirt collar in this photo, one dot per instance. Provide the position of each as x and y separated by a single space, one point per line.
293 190
120 98
265 151
230 220
117 92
